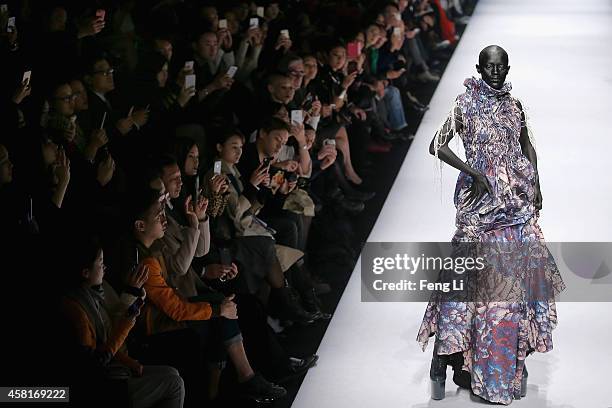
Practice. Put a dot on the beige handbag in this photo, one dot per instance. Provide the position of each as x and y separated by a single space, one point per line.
287 256
299 202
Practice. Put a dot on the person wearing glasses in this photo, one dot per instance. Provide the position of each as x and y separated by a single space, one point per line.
99 79
498 200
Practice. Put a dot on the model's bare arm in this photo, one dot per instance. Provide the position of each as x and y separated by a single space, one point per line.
530 153
526 146
480 184
444 152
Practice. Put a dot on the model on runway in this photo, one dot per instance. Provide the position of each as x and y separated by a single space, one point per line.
498 199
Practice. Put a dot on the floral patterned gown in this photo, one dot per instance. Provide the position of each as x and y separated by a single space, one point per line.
495 337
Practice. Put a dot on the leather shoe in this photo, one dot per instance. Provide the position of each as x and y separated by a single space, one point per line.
357 195
297 367
352 207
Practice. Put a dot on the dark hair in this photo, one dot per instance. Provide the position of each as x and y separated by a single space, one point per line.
179 148
276 75
271 124
165 160
149 65
334 44
141 201
54 86
83 252
90 61
196 37
228 133
285 61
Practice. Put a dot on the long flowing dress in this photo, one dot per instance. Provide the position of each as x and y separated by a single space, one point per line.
495 337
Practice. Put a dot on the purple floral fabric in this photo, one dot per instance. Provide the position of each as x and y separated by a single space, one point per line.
495 337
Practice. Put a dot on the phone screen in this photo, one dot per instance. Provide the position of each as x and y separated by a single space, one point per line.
196 192
232 71
217 168
353 49
190 81
26 77
10 26
225 256
297 116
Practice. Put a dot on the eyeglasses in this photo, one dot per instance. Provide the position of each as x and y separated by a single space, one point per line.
297 73
66 98
107 72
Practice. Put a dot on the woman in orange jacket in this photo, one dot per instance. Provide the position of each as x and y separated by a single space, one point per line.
100 322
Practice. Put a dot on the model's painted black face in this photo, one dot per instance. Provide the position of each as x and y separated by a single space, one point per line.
493 69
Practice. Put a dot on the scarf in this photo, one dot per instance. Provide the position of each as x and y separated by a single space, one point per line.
91 300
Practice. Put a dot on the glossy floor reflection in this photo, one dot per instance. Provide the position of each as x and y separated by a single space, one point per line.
560 58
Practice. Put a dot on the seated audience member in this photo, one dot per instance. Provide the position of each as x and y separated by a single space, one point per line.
167 317
100 322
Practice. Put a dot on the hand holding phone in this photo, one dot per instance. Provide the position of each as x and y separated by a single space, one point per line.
329 142
190 81
225 256
297 117
11 26
134 309
100 14
232 71
285 33
266 161
26 78
196 193
353 49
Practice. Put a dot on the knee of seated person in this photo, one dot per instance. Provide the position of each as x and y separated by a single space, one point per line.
173 372
393 91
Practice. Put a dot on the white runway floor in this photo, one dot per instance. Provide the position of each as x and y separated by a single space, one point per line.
561 58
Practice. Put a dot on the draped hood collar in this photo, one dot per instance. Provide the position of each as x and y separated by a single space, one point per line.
479 86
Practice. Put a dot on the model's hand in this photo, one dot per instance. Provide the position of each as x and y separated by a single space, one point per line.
538 197
477 190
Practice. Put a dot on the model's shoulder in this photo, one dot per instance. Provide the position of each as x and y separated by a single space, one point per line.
462 100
